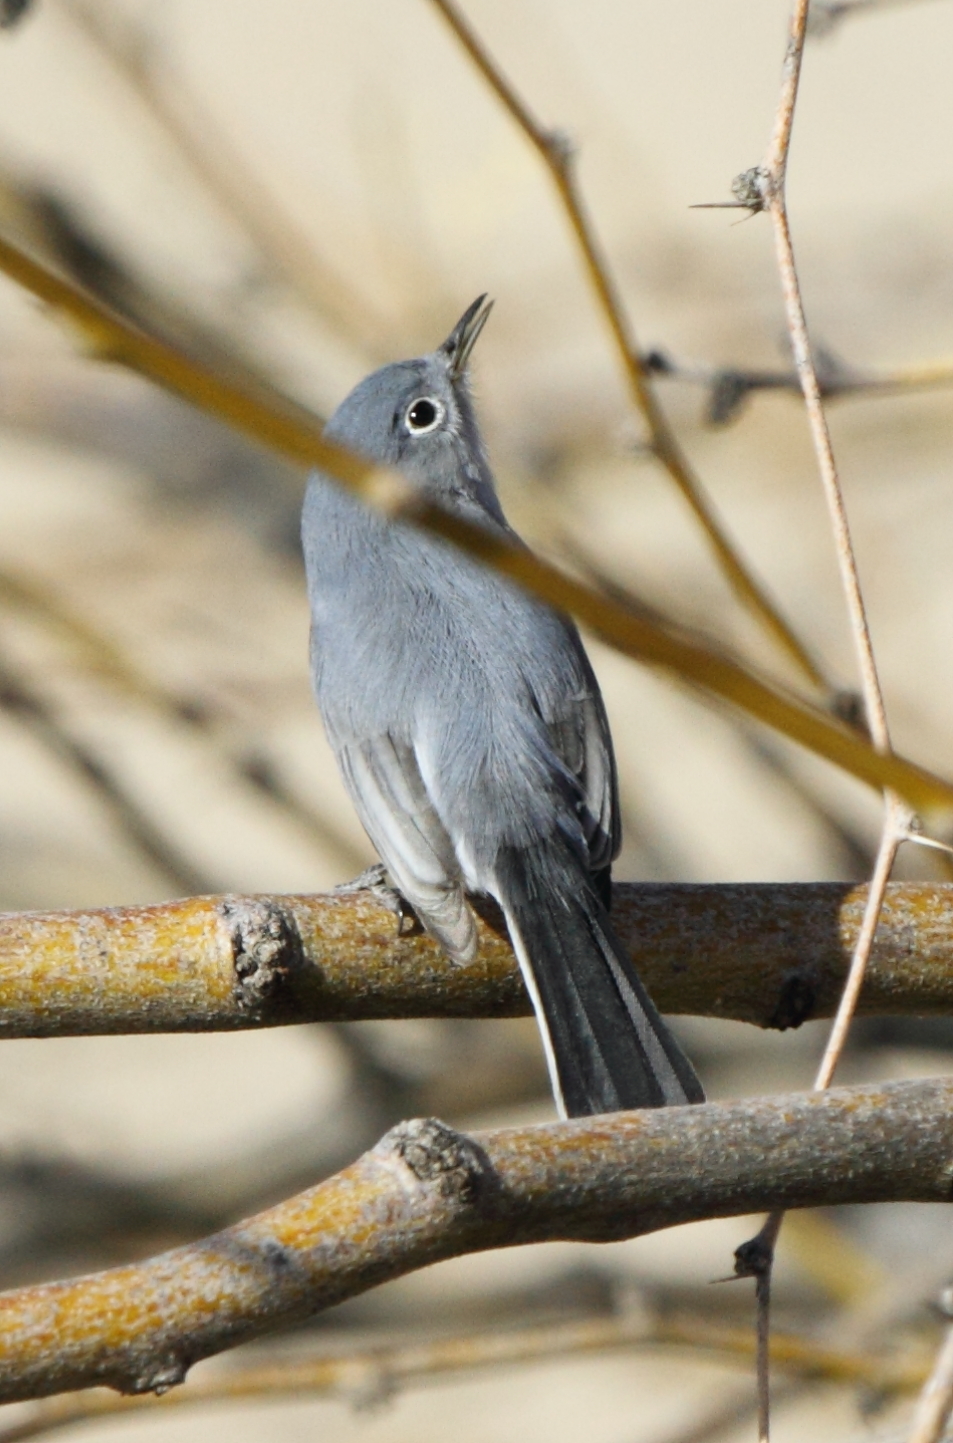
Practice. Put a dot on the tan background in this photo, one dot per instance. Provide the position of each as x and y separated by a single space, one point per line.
373 136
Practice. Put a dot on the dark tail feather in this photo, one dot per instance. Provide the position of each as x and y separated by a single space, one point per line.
607 1047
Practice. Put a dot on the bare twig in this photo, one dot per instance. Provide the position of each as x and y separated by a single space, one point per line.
765 188
935 1403
290 429
380 1372
774 955
556 153
729 387
770 181
427 1193
725 1418
755 1259
895 816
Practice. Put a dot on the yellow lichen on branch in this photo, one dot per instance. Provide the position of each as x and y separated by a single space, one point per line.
772 954
427 1192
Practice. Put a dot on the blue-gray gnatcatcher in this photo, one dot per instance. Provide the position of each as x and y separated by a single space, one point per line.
472 737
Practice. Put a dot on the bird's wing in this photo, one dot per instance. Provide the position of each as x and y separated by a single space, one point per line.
388 791
579 731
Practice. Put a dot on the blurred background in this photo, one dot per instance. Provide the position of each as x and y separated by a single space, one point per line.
302 192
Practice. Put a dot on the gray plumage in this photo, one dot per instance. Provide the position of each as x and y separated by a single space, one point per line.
471 735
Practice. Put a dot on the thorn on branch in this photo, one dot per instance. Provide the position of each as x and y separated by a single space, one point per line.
752 190
729 391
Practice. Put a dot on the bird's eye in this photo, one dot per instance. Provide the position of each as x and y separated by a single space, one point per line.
424 414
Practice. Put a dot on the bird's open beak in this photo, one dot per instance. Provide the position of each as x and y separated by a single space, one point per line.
463 337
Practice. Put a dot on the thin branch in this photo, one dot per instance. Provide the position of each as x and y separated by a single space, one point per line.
767 190
935 1403
755 1259
726 1418
426 1193
770 182
556 153
729 387
369 1374
895 818
291 430
774 955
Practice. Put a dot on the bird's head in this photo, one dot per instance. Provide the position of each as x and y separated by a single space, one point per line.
418 415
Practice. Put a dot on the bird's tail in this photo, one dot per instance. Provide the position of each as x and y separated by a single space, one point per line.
606 1045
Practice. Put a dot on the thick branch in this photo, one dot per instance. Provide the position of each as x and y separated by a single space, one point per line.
426 1193
773 954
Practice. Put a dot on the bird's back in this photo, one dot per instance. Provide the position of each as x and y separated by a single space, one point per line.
413 640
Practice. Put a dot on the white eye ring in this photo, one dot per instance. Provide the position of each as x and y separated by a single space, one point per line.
424 414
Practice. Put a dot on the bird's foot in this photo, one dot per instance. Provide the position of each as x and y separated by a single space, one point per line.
375 879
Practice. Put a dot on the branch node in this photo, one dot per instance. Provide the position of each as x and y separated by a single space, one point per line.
797 999
266 948
848 706
161 1375
729 391
754 1258
754 188
437 1155
560 147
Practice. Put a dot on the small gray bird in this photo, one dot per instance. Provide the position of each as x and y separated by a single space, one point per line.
471 735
